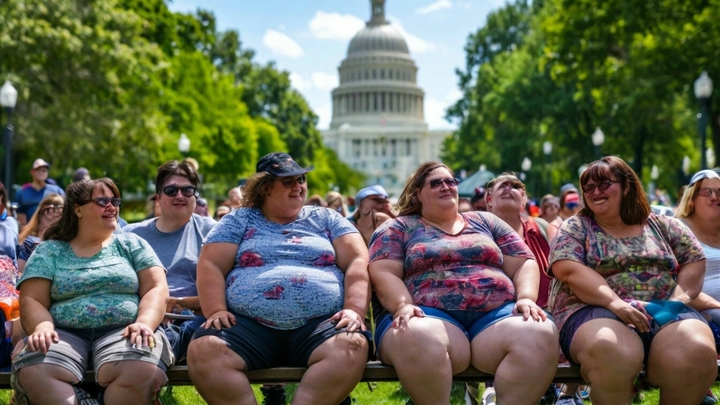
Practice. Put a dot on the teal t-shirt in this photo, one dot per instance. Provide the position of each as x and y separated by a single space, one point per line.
92 292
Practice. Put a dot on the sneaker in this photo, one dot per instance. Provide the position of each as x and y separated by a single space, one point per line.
584 392
710 399
489 397
566 399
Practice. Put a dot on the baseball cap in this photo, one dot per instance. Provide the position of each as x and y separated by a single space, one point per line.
368 191
567 187
280 164
80 174
704 174
40 163
572 200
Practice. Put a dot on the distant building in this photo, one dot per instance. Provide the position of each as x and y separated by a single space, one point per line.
378 126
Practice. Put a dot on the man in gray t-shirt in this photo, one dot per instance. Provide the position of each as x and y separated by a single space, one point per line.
176 237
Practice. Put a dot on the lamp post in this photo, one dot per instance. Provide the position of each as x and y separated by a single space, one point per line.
598 139
703 89
547 150
184 145
654 174
525 166
8 99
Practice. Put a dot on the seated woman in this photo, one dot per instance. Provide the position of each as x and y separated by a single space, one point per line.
282 284
627 275
49 211
89 296
459 289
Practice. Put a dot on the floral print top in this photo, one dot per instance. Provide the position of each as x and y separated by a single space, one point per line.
642 267
284 275
96 291
452 272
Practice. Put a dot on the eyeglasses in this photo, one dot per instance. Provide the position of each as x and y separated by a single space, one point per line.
448 182
602 186
104 201
708 191
510 184
289 182
187 191
53 208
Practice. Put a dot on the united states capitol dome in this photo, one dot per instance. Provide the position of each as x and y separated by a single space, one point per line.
378 35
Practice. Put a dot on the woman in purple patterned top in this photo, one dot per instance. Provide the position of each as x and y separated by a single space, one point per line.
626 276
459 289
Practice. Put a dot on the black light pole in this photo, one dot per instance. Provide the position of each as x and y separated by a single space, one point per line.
598 138
547 150
8 98
703 90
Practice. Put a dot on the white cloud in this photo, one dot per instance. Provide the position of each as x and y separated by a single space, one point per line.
438 5
299 82
435 110
324 81
324 114
415 43
334 25
281 44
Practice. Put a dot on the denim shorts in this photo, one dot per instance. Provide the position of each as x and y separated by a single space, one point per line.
261 346
470 323
590 312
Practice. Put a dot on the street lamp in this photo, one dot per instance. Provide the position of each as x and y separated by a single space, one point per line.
654 174
598 139
184 145
525 166
547 150
8 99
703 90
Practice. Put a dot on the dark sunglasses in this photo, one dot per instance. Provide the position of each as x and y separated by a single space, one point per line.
448 182
289 182
602 186
187 191
104 201
708 191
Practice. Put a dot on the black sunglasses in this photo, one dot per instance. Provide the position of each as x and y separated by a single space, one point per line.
448 182
289 182
187 191
602 186
104 201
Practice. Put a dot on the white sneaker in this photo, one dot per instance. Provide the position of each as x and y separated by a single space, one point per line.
489 397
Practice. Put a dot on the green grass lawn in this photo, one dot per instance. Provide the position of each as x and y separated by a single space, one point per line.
364 394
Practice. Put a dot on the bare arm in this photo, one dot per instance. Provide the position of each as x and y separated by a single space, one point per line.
35 316
387 279
525 275
22 219
704 301
352 258
154 294
215 262
21 266
690 280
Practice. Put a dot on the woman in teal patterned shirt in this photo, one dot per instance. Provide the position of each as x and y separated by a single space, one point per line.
89 296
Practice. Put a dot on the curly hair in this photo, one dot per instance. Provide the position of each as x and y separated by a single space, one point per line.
256 188
409 203
77 194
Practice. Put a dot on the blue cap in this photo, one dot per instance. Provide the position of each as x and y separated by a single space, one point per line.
567 187
368 191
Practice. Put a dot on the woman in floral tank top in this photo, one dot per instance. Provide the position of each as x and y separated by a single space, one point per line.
626 276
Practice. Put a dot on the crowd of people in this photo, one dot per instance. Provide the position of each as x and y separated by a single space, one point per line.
280 278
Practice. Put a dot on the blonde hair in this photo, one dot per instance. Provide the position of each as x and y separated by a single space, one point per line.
33 226
686 206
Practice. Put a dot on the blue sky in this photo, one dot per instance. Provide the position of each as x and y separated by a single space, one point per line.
309 39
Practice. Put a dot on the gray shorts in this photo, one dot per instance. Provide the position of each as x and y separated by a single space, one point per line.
79 349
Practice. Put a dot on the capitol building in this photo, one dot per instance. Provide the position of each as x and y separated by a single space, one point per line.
378 126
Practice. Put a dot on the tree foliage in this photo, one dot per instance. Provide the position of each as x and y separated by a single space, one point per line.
111 85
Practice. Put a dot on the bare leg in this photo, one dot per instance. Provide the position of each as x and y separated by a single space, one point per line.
522 354
683 362
426 353
610 356
217 373
48 384
127 382
334 369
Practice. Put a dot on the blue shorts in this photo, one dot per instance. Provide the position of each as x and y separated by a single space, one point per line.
590 312
261 346
470 323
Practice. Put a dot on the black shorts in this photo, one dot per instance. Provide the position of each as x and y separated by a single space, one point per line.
264 347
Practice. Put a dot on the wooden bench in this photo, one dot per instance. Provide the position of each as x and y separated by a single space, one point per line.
374 372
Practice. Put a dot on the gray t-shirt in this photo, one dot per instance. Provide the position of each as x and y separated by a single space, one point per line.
178 250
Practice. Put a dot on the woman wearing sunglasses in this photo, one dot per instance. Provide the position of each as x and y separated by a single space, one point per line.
89 296
627 276
458 290
282 284
49 212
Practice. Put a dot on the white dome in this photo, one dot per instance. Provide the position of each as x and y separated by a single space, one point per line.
382 37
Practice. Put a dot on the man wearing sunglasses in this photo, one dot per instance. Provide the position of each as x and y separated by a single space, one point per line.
176 236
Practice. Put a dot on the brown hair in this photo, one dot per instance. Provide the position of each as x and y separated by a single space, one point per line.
175 168
634 206
34 224
409 203
256 188
77 194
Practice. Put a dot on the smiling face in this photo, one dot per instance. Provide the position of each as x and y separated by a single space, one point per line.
706 201
96 216
603 196
178 206
442 196
283 202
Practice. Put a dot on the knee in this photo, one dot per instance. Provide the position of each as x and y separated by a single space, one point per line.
204 350
608 356
132 375
420 341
